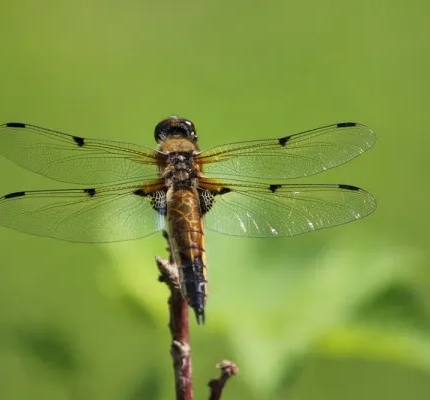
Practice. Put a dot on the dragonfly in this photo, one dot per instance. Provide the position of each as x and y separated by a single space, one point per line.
131 191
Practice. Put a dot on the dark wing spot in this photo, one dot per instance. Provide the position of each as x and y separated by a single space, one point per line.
12 195
90 192
140 192
283 141
158 201
274 188
346 124
79 141
206 199
224 190
15 125
348 187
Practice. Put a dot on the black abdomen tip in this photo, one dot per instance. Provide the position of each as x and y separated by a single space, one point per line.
200 314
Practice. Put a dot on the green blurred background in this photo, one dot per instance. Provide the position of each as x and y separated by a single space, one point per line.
337 314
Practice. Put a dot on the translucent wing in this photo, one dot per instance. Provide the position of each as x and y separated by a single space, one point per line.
258 210
106 214
75 159
293 156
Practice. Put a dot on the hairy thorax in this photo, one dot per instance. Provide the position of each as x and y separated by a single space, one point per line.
179 170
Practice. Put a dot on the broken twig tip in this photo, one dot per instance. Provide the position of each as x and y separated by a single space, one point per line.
228 369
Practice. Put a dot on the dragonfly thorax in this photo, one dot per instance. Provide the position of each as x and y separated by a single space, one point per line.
181 170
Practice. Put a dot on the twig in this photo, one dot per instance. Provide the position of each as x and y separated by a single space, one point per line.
179 329
228 369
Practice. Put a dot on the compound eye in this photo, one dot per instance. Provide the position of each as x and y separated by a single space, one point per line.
191 129
161 129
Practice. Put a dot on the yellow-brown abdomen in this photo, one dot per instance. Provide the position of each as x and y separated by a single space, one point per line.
187 244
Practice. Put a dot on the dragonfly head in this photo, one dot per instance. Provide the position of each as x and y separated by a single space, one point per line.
175 127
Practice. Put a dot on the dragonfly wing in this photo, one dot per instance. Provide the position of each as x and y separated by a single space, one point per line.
107 214
74 159
293 156
258 210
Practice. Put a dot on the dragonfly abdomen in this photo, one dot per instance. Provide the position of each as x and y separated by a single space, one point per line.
187 245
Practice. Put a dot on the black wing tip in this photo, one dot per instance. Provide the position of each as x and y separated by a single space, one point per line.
200 315
15 125
13 195
346 124
348 187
